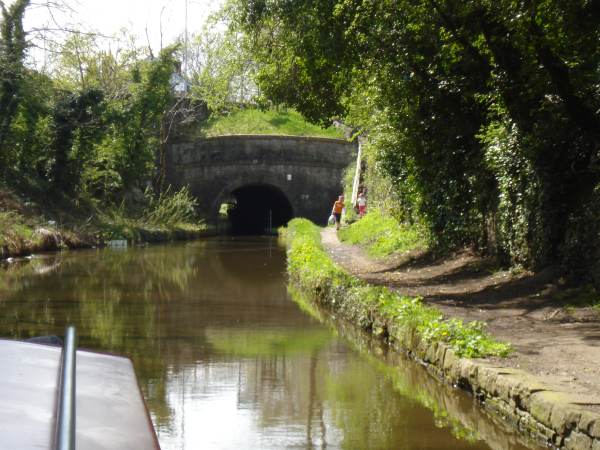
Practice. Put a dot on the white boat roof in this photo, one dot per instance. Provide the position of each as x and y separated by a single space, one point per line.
110 410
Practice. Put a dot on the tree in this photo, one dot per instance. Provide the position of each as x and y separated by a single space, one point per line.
76 124
219 68
12 53
490 109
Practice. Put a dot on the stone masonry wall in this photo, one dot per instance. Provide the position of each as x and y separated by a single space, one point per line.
307 170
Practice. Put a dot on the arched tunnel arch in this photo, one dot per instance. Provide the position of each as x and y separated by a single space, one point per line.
256 209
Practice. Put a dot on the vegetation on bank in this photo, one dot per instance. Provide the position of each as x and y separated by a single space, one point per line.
166 216
27 227
20 235
375 308
382 235
272 121
79 141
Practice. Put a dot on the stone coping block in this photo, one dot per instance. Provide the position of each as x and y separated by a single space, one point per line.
551 417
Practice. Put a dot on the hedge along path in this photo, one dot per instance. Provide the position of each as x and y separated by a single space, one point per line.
549 388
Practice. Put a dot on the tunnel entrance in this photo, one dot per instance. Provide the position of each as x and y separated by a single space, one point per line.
258 209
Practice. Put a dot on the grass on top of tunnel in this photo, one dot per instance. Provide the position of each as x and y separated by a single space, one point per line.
274 122
382 235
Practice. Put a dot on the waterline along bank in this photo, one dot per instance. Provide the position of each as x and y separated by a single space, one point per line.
451 349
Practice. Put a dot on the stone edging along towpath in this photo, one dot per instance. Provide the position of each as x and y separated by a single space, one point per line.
549 417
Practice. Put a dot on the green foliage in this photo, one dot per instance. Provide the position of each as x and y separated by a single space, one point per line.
21 234
110 133
581 249
482 117
75 118
255 121
138 117
390 186
12 53
377 308
580 297
102 177
90 130
518 191
31 132
308 54
14 230
85 136
221 71
382 235
307 262
469 340
170 208
168 211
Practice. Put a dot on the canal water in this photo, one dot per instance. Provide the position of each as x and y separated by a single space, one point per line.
225 357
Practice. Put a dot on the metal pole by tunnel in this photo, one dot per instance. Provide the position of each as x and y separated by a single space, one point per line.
64 438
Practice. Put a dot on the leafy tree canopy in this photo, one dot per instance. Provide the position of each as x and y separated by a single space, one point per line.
484 115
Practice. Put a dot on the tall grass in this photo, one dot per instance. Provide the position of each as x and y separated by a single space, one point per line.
20 235
170 211
382 235
170 208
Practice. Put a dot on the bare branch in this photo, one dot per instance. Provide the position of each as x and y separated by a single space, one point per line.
148 40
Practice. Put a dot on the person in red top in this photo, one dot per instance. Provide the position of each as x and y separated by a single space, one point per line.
336 211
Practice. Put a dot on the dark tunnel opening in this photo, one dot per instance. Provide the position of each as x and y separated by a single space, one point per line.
258 209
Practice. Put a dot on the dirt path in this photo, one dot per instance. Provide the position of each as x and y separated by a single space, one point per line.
562 349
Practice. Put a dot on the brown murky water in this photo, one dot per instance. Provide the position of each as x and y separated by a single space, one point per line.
227 360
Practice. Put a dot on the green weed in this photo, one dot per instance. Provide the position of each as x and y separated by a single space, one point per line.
580 297
169 212
170 208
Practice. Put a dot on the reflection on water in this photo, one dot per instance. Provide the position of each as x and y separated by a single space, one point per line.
226 360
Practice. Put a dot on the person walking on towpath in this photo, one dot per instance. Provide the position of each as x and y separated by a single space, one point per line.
361 202
336 211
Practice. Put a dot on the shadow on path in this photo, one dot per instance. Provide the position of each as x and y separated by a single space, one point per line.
559 345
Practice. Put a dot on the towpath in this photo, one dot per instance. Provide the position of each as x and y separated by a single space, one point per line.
560 346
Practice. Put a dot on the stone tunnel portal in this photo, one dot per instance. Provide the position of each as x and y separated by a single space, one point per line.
258 209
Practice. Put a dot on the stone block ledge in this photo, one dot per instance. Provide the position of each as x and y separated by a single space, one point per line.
550 417
268 137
